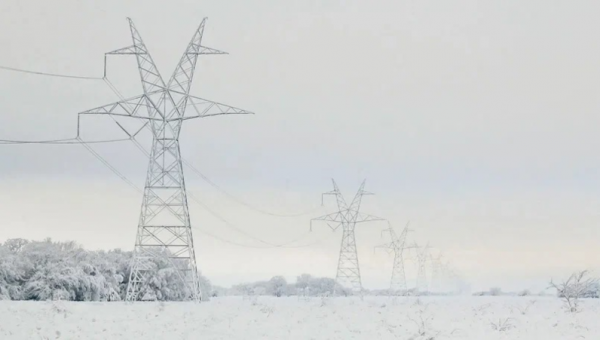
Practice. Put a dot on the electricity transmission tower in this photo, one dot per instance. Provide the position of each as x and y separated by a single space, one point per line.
397 245
436 275
164 229
348 270
422 256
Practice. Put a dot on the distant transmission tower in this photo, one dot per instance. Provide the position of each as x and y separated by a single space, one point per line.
436 275
397 245
164 228
348 271
422 257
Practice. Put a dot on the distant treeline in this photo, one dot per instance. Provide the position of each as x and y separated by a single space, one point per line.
305 285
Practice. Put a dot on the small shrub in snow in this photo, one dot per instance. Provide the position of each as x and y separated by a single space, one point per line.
576 287
502 325
423 323
495 291
525 308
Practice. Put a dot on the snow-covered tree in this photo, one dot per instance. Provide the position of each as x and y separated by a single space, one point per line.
277 286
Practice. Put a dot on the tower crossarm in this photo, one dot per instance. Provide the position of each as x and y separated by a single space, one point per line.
388 247
362 218
333 218
132 107
202 108
412 246
206 50
126 51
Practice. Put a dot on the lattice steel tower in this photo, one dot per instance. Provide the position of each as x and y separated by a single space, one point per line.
348 271
397 246
164 228
422 257
436 274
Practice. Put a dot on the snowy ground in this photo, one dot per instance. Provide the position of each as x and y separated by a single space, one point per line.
476 318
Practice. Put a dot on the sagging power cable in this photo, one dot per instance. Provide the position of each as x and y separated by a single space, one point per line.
14 69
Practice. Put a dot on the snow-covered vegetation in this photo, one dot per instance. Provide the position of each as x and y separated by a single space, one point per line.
47 270
305 285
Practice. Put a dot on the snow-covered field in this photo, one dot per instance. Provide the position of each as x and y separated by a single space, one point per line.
476 318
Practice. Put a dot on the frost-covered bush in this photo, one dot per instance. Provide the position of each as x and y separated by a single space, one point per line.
278 286
495 291
576 287
50 270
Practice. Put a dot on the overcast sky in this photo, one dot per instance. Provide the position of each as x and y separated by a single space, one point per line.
475 120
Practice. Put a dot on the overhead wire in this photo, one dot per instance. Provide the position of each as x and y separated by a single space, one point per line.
75 140
14 69
230 225
48 141
239 201
247 245
110 167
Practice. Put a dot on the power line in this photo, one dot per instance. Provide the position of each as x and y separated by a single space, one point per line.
247 245
75 140
14 69
110 167
239 201
49 141
226 222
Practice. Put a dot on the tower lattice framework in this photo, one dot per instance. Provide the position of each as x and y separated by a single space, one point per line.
397 246
436 272
164 228
348 270
422 258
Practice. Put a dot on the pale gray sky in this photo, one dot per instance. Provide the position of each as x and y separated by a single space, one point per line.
475 120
